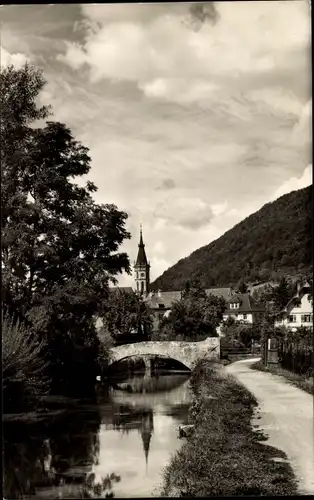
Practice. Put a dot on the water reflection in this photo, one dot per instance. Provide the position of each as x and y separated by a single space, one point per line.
118 446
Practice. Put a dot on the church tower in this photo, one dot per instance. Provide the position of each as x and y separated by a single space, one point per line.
141 269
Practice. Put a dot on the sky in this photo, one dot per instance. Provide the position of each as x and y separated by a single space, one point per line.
195 115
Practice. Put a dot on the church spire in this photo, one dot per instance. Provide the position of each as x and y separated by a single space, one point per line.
141 236
141 268
141 255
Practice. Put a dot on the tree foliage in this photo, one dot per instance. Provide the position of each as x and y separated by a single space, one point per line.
273 242
275 297
240 334
195 316
60 249
126 313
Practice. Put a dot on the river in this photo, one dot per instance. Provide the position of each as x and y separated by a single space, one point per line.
116 445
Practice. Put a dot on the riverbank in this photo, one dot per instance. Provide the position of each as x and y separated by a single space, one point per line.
303 382
224 455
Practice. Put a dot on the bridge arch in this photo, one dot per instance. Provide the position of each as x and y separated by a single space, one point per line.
147 358
187 353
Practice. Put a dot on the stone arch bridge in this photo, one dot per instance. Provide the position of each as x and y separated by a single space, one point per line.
187 353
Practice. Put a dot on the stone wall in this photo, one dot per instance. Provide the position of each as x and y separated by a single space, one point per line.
188 353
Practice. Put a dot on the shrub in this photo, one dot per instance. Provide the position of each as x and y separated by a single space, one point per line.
24 366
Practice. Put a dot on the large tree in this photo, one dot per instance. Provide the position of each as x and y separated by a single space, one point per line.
60 249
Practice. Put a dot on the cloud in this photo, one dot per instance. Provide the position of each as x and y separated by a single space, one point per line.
200 13
17 59
167 184
219 208
295 183
189 213
249 39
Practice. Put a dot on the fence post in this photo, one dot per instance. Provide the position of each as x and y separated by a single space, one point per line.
265 351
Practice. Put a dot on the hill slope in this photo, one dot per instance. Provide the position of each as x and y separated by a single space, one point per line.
275 240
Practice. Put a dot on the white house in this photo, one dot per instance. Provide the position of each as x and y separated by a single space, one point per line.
299 310
243 309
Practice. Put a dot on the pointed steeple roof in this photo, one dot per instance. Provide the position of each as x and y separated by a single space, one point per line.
141 256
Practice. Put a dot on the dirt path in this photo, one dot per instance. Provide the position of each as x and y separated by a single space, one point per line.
286 417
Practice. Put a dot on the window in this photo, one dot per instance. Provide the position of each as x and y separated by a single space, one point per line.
234 305
297 303
143 275
306 318
292 318
161 306
244 316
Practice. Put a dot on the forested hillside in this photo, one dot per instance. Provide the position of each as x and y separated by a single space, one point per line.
275 241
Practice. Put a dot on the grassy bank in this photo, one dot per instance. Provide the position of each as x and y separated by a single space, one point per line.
302 381
224 455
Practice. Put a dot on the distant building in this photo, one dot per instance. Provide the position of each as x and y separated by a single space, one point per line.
243 309
298 311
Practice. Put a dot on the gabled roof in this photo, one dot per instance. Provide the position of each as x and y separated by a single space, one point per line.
247 304
304 289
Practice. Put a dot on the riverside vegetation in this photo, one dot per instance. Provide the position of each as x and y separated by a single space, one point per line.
224 455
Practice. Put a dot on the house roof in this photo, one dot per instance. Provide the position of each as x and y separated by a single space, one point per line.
305 288
235 299
247 304
126 289
166 298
